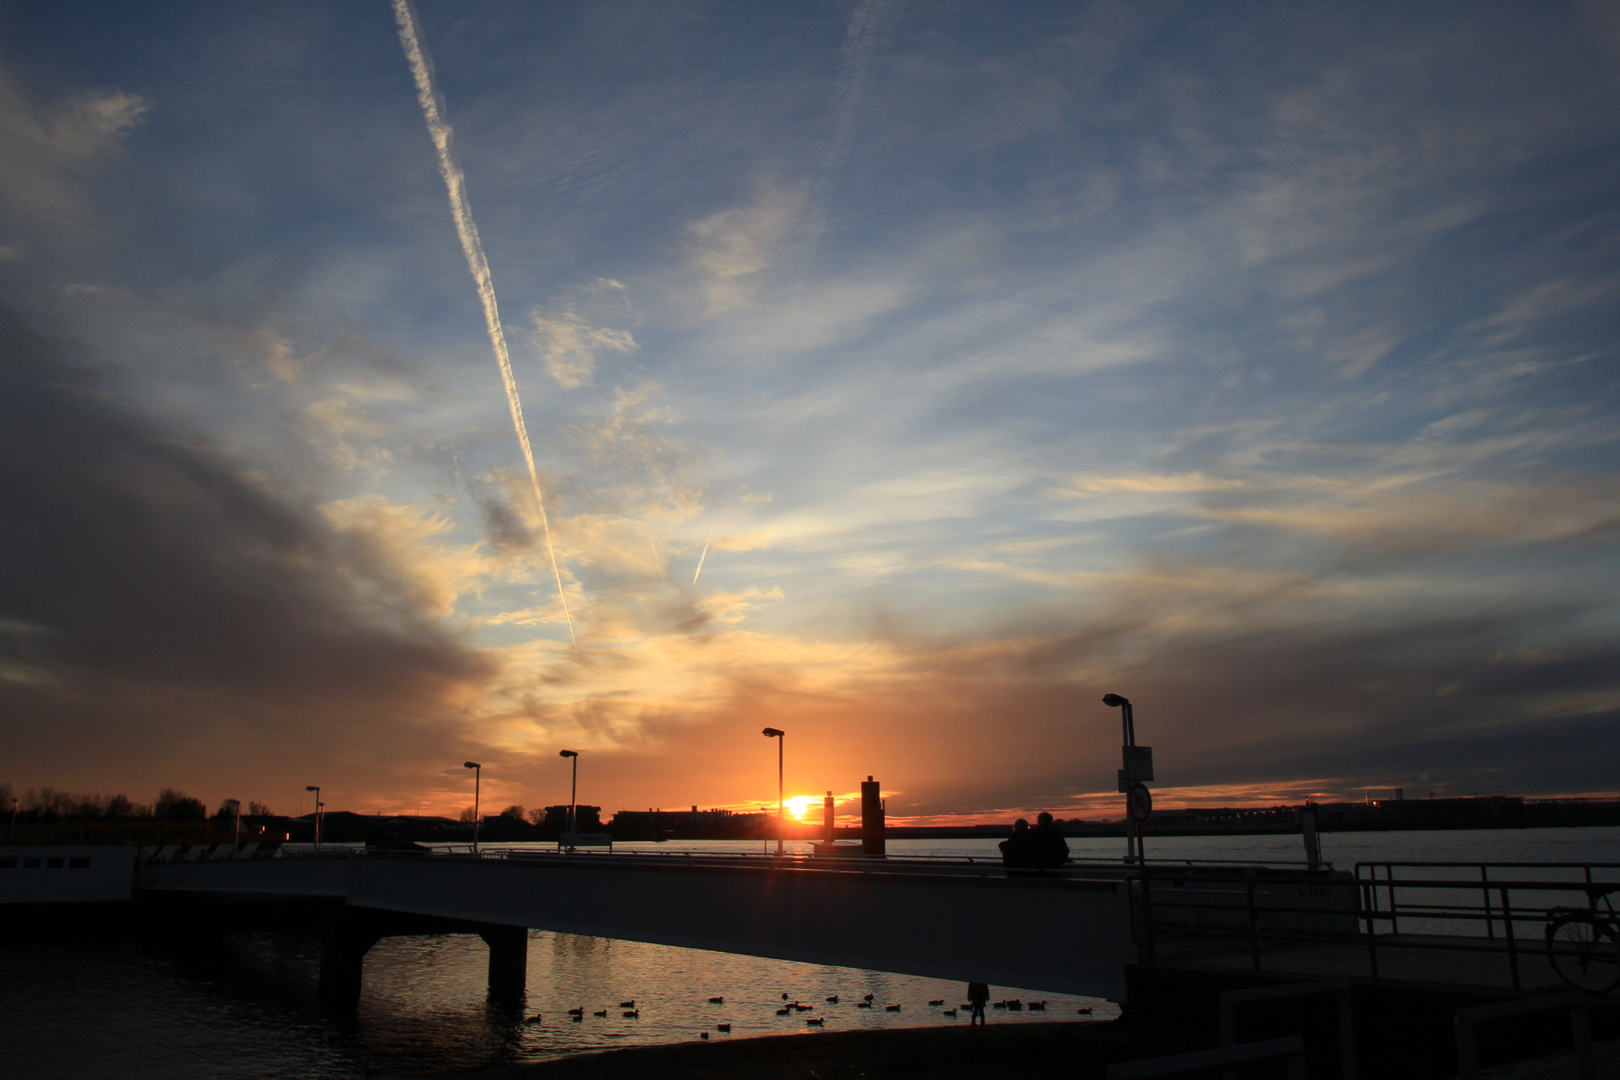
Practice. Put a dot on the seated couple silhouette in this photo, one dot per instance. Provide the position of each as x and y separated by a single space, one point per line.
1040 848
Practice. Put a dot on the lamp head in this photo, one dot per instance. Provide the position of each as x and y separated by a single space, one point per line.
773 733
471 765
568 753
1114 701
312 787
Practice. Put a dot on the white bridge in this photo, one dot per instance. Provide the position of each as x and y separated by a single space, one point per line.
1068 931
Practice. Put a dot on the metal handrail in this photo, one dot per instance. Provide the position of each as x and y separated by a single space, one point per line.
1378 905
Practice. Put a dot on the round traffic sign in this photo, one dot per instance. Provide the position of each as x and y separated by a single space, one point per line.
1140 803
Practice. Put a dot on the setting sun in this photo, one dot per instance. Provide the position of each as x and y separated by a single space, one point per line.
800 804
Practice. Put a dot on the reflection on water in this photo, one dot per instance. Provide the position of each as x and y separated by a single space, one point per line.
240 1004
425 996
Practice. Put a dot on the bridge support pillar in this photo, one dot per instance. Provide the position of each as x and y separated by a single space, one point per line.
508 959
343 957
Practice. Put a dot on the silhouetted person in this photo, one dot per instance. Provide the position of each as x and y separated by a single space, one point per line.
1018 849
978 994
1048 850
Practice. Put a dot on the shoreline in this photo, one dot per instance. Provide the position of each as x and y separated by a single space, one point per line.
1068 1048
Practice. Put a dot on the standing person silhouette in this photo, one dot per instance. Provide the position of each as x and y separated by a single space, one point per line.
978 994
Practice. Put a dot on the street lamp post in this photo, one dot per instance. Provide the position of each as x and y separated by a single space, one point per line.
14 817
319 806
573 794
781 739
478 776
1138 766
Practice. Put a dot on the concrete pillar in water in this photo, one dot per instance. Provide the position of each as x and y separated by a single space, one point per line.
872 841
348 938
508 959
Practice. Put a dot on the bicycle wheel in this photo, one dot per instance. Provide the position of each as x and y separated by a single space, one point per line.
1582 951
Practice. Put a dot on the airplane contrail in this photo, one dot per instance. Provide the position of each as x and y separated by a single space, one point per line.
705 555
866 26
455 183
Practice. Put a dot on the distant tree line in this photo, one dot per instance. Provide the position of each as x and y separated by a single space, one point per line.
514 814
52 804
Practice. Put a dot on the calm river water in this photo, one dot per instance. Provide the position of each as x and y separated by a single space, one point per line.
241 1005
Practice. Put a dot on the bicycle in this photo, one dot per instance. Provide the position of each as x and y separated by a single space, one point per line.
1581 942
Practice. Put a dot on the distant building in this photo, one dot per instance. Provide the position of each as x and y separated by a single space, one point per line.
586 818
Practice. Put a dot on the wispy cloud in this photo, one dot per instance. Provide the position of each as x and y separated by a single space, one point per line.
570 343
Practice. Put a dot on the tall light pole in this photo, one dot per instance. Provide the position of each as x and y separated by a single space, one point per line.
316 788
14 817
236 835
781 739
573 792
1138 766
478 776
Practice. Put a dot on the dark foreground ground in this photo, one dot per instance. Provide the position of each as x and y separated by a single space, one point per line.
1075 1051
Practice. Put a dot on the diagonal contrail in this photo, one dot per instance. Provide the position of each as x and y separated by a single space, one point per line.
702 557
410 39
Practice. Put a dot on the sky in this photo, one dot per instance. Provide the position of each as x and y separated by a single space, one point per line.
903 376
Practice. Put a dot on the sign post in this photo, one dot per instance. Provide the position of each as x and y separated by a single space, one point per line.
1140 803
1133 777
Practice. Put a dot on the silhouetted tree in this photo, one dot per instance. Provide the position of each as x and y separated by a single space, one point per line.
175 805
258 809
119 806
467 815
514 812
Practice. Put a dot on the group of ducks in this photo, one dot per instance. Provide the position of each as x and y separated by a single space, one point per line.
578 1015
797 1007
631 1012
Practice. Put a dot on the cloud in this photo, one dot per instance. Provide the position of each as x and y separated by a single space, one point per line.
1274 390
401 553
1447 517
167 600
570 344
732 250
44 152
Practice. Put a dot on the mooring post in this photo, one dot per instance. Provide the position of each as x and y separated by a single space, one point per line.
873 839
508 959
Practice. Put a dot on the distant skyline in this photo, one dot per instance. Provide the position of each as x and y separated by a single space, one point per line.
905 377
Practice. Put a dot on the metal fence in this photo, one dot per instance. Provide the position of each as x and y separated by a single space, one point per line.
1462 907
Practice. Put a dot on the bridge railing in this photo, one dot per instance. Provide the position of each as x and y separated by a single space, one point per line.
1477 907
1459 907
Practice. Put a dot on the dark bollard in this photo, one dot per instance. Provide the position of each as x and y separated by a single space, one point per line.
872 826
508 959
